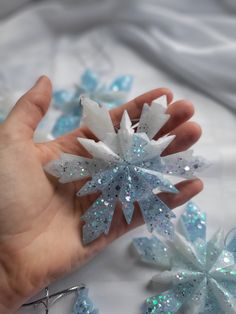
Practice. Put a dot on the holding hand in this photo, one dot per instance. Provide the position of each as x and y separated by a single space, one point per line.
40 225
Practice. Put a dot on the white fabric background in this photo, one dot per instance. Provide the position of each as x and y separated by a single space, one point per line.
186 45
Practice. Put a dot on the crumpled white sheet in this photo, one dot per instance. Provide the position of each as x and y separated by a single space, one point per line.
188 46
195 40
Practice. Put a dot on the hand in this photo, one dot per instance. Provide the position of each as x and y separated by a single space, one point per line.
40 226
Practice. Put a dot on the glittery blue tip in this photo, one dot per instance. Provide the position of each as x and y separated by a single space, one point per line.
89 81
165 303
193 223
122 83
83 304
65 124
152 251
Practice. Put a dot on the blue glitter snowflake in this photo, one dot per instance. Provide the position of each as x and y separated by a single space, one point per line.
127 167
202 274
68 102
83 304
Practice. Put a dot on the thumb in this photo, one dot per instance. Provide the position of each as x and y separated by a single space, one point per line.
30 109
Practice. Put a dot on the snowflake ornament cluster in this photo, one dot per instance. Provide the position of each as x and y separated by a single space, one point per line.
68 102
83 304
126 166
201 274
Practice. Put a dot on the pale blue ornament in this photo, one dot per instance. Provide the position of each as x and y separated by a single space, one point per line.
201 274
127 167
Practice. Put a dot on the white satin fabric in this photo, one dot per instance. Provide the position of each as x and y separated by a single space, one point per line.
186 45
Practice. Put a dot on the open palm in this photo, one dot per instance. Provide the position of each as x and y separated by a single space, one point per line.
40 226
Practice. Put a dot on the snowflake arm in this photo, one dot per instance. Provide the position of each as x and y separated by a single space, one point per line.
193 223
69 168
153 117
184 164
83 304
152 251
96 118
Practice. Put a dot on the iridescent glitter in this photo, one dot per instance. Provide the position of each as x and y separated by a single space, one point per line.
83 304
231 242
202 278
127 167
68 102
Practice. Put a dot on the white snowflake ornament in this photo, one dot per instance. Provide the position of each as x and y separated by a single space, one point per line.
126 166
201 274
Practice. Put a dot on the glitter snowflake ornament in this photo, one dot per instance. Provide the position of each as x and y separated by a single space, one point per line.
83 304
126 166
201 274
68 101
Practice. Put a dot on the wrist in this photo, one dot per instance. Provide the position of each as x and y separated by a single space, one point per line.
10 297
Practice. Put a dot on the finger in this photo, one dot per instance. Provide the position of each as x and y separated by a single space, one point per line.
187 190
30 109
180 112
186 135
135 106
